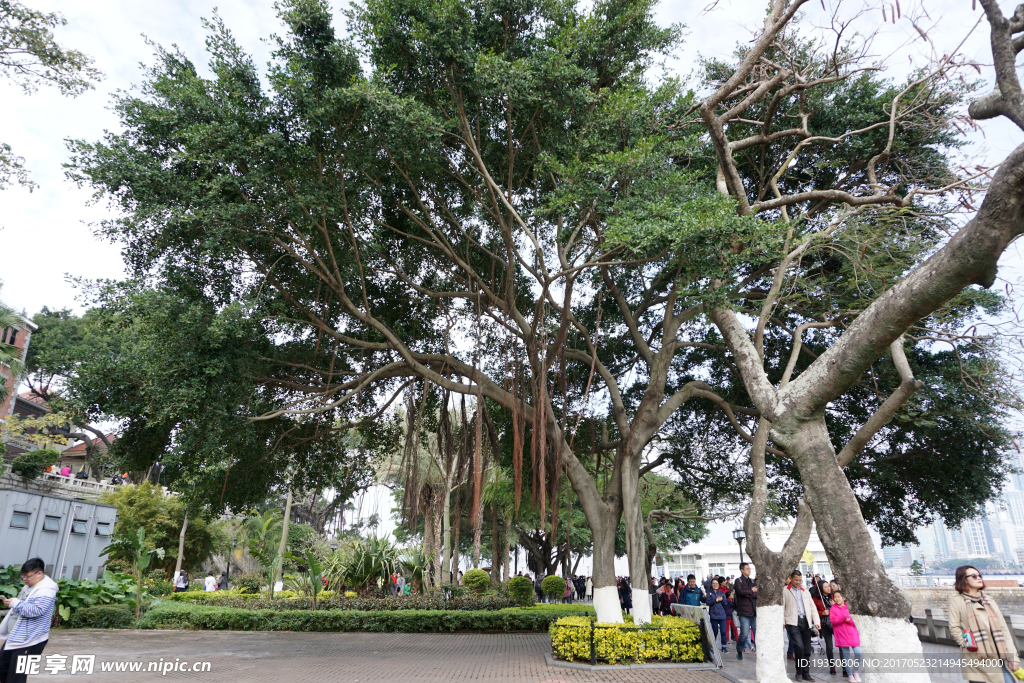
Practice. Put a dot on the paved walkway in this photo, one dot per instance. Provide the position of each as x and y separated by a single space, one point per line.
258 657
743 671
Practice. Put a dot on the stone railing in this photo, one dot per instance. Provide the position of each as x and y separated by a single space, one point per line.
57 485
933 627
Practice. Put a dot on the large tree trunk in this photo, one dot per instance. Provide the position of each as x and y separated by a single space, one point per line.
478 530
181 546
636 541
772 568
883 609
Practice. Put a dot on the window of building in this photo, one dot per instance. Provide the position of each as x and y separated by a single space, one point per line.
716 569
19 520
76 572
78 526
103 529
51 523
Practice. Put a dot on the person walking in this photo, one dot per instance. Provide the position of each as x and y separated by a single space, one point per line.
975 621
211 582
847 636
746 609
181 582
400 583
590 588
222 582
716 612
821 594
801 618
26 628
537 588
567 595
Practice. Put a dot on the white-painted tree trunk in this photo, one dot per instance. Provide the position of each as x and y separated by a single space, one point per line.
889 637
641 606
606 604
771 649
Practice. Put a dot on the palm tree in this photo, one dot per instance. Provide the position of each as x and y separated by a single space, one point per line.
10 355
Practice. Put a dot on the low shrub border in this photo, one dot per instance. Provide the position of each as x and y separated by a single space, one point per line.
328 600
179 615
666 639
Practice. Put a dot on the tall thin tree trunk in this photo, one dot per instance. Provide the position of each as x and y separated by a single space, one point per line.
438 542
478 529
445 575
181 546
495 547
505 552
456 537
428 546
279 576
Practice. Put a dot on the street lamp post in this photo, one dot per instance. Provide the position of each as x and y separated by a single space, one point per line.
231 551
740 535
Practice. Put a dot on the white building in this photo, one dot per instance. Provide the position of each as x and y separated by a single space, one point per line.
704 559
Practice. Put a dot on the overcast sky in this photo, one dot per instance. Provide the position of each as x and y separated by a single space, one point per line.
47 235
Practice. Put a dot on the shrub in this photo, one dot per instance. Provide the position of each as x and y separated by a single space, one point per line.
520 589
666 639
351 594
178 615
31 465
553 586
476 580
249 583
283 600
103 616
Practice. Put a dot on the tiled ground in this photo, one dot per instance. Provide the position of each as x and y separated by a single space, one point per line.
258 657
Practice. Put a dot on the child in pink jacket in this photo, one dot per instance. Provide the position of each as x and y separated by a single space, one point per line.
847 636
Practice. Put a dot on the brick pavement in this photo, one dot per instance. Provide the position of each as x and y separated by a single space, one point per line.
264 657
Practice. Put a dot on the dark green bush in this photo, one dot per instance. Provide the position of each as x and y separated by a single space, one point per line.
178 615
520 589
553 586
389 604
103 616
249 583
476 580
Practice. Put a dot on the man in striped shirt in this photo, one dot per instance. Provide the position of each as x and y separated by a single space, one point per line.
27 625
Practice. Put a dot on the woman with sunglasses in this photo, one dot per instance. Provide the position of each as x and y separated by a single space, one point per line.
976 623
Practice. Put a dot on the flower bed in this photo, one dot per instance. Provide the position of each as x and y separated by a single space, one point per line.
182 615
666 639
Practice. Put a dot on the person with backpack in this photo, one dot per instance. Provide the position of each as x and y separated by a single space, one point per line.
181 582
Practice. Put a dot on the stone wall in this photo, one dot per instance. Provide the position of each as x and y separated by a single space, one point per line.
1010 600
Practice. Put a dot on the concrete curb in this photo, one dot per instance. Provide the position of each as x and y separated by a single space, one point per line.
551 661
728 677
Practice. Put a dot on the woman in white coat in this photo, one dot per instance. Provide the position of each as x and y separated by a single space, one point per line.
589 589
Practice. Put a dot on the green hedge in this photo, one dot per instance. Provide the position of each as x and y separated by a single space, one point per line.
286 602
103 616
180 615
